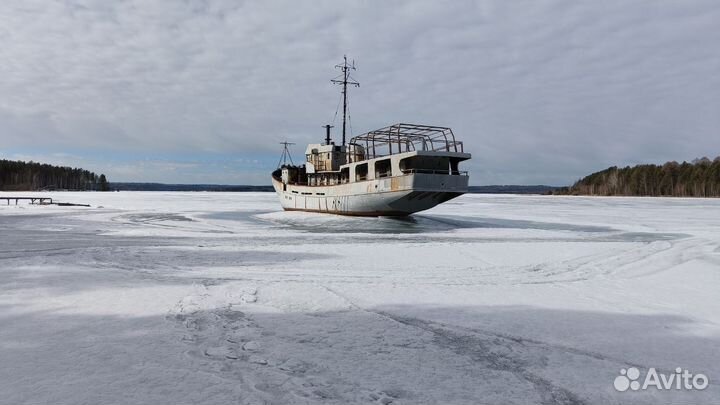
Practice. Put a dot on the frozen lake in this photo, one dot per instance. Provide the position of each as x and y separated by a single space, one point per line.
221 298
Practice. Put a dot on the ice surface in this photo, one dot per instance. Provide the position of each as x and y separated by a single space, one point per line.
222 298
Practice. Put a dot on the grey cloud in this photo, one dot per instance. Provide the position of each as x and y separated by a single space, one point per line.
541 91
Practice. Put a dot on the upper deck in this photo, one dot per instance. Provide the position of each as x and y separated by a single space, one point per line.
401 138
396 150
393 140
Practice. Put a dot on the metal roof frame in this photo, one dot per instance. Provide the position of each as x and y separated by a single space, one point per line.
413 137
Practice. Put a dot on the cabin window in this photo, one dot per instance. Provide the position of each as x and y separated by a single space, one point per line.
425 164
344 175
361 172
382 168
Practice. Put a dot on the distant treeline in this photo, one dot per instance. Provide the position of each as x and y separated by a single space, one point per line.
29 176
512 189
186 187
700 178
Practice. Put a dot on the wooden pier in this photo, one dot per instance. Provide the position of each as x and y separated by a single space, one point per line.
33 200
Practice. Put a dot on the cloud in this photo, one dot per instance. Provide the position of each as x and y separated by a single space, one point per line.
540 91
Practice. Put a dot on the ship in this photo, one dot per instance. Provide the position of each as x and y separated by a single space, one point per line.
393 171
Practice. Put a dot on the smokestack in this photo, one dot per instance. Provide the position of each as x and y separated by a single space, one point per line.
327 133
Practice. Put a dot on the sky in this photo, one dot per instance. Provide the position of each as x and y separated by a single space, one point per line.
540 92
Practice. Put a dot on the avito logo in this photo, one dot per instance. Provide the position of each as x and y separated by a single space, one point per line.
679 380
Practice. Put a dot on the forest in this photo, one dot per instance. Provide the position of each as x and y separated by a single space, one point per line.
699 178
31 176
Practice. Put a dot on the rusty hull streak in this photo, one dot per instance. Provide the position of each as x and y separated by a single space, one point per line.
395 184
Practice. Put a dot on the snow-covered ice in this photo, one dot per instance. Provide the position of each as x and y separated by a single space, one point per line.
222 298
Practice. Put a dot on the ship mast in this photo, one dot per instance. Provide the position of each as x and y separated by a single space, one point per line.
285 154
346 79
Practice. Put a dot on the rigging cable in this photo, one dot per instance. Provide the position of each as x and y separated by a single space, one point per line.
336 111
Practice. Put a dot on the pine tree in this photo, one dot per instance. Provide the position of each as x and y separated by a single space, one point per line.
103 184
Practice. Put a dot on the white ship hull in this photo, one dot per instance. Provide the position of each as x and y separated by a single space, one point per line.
389 196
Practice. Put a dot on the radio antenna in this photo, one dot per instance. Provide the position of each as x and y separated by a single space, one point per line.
346 79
